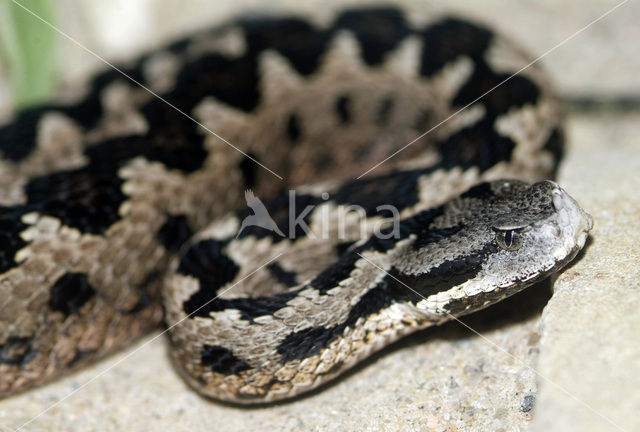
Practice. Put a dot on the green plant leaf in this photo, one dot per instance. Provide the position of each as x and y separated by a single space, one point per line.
28 49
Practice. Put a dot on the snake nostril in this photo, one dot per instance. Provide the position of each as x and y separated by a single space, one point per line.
558 199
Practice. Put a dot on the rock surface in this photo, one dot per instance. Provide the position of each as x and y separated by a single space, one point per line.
590 350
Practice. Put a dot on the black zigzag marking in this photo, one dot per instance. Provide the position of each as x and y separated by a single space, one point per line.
206 262
174 232
10 240
394 287
17 351
222 360
70 292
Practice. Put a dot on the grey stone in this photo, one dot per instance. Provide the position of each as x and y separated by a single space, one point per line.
590 348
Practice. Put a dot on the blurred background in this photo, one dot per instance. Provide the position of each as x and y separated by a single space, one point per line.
601 62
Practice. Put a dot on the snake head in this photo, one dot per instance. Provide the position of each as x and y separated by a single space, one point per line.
510 234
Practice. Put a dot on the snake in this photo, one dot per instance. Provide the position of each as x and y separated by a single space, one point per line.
229 187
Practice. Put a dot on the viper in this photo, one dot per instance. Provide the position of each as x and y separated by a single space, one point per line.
396 171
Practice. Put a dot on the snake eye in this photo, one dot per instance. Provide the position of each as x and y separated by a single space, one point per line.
509 239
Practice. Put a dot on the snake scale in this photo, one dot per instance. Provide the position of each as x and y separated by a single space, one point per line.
118 213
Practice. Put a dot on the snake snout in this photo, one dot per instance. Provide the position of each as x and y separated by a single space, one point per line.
573 220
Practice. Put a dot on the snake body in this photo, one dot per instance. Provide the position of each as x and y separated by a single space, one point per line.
115 207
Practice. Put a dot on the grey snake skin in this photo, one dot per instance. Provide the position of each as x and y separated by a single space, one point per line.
118 214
